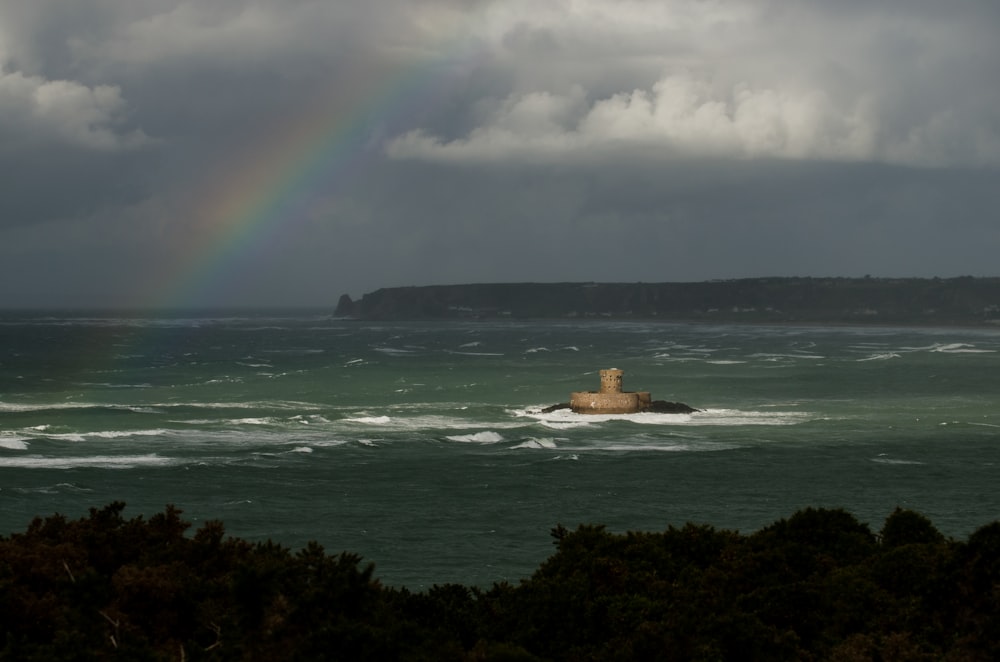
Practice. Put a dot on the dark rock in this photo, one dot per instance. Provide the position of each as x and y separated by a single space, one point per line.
345 307
666 407
655 407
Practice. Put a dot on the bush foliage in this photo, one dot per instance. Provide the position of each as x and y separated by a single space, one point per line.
817 586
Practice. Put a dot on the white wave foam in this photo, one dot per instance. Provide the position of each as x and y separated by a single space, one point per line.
295 351
110 385
14 443
96 461
725 362
250 421
301 449
883 356
740 417
960 348
68 436
486 437
544 442
117 434
565 425
16 407
54 489
887 460
427 422
275 404
470 344
370 420
564 418
473 353
153 408
667 448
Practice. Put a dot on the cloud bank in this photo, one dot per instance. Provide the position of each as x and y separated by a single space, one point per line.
762 80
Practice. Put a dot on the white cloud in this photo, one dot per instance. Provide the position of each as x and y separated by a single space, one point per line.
588 78
33 109
679 116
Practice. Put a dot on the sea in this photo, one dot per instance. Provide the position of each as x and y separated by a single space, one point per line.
423 447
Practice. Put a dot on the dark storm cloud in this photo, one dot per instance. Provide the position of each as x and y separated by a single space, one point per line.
542 140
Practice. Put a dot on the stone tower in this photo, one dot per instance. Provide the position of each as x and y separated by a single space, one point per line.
611 399
611 380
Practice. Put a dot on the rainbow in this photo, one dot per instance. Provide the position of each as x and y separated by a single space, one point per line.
262 191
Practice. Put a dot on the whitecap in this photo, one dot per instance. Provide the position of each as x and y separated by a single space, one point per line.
887 460
485 437
45 406
428 422
536 443
884 356
301 449
473 353
53 489
69 436
960 348
97 461
565 418
110 385
116 434
295 351
14 443
370 420
565 425
276 404
646 447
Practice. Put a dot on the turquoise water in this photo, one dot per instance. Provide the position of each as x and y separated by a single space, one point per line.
422 446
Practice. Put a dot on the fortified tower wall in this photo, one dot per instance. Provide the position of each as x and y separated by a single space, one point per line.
611 399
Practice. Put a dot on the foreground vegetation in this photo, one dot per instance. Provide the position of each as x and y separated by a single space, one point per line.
817 586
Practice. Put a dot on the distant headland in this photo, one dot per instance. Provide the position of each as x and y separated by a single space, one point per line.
926 301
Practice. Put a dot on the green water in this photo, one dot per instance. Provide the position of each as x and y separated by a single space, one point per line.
421 446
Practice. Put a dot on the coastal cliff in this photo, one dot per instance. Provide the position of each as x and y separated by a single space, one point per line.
964 300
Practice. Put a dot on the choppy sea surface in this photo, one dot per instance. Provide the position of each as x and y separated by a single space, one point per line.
422 446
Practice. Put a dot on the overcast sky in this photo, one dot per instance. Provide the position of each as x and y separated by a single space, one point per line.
263 152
